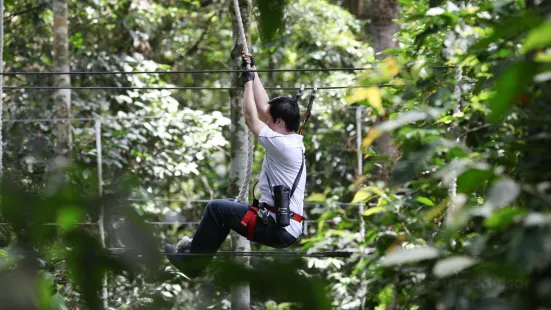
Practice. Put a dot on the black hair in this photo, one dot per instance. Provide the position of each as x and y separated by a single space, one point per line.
285 108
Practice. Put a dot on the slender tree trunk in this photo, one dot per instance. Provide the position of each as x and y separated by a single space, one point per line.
62 97
383 27
239 147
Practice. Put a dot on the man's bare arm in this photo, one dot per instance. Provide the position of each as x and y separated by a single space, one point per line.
260 96
251 117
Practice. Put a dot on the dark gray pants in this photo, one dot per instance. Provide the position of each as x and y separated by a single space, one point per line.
220 217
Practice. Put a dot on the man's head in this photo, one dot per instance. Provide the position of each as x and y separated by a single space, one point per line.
283 115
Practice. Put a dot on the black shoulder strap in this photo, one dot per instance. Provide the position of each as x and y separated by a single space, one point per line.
298 176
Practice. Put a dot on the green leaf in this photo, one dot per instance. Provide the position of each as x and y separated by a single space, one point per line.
316 197
503 217
509 86
57 302
539 37
508 28
69 216
400 257
424 200
452 265
367 193
362 195
471 179
374 210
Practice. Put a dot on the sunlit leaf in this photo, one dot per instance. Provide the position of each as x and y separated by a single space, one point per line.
366 193
371 94
400 257
542 57
539 37
436 211
374 210
452 265
503 217
371 136
316 197
69 216
424 200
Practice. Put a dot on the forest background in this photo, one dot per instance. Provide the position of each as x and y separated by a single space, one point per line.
434 173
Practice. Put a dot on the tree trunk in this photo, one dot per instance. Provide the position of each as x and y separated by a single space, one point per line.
62 97
383 27
239 148
356 7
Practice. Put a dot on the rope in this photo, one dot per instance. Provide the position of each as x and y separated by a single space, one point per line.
243 190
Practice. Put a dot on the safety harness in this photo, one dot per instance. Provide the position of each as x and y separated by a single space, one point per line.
262 210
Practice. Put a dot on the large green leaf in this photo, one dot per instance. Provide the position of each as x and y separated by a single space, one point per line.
537 38
509 86
503 217
471 179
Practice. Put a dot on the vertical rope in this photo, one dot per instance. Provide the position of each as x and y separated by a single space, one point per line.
363 284
454 129
101 216
359 114
244 187
240 292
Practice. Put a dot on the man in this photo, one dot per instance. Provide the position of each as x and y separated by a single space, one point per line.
283 165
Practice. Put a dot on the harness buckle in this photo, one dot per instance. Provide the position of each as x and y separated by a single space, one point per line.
263 214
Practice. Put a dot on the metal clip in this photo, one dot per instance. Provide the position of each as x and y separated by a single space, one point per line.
263 214
299 93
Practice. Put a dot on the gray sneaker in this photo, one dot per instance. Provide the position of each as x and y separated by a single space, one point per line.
184 245
173 256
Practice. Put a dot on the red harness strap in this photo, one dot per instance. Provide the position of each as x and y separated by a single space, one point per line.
249 220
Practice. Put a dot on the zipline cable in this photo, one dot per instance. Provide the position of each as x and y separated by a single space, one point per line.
118 251
39 87
15 73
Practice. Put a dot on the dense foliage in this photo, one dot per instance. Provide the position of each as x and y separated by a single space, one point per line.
464 223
